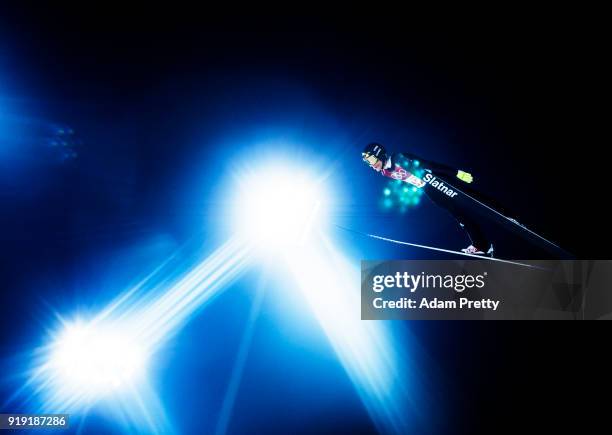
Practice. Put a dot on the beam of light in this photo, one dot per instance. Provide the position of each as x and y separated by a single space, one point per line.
290 210
231 393
330 284
158 316
278 215
103 361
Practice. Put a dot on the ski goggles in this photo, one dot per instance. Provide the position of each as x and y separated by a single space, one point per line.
369 159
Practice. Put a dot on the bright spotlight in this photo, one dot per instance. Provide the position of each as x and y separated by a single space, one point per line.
103 363
90 360
277 209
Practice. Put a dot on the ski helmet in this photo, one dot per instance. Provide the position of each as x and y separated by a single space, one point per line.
375 150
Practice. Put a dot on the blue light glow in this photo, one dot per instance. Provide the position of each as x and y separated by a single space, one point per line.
103 362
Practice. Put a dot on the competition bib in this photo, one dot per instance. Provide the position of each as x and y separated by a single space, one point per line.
400 173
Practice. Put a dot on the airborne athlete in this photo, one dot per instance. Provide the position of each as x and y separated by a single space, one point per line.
442 195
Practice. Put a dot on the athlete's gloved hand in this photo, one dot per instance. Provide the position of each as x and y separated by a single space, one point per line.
466 177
